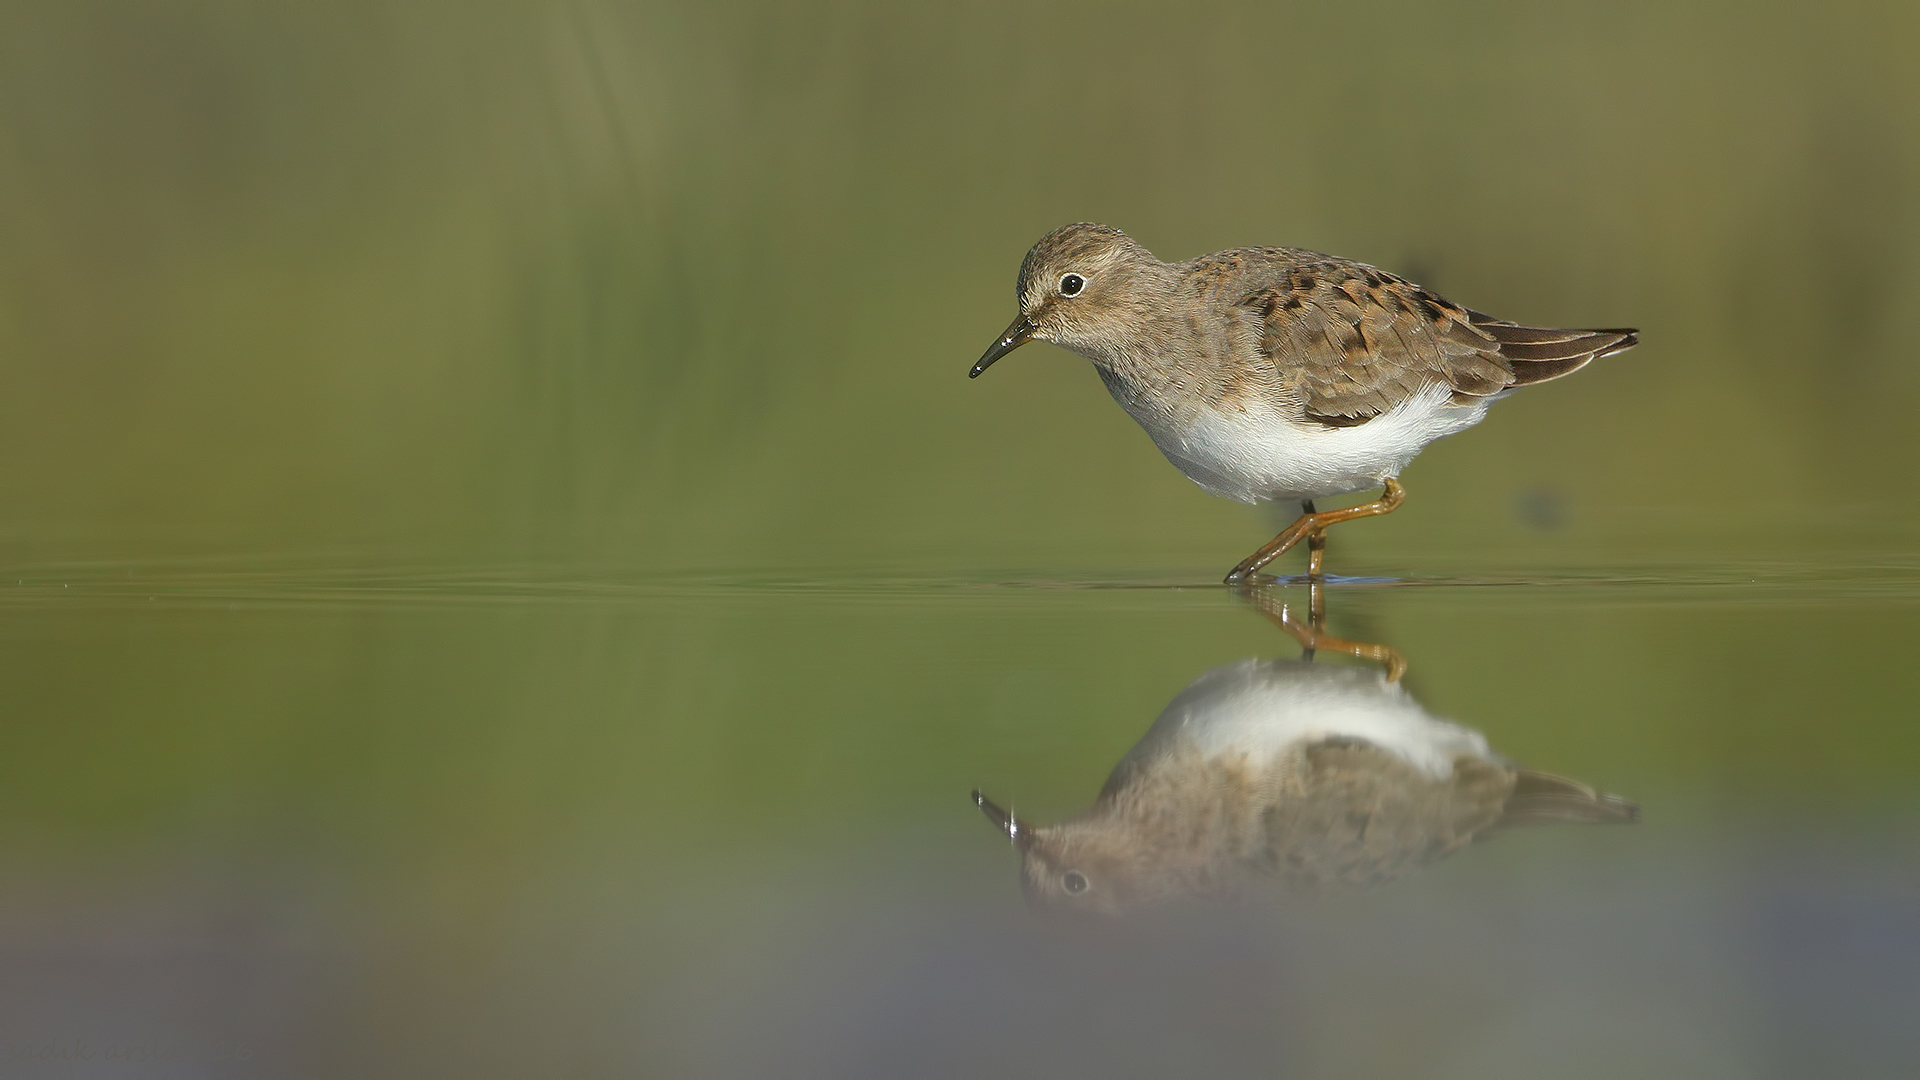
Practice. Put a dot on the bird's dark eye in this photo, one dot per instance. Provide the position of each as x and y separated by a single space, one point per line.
1074 881
1070 285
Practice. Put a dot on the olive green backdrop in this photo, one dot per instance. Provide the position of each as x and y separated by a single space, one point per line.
499 556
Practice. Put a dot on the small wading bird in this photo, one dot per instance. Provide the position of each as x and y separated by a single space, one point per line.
1277 374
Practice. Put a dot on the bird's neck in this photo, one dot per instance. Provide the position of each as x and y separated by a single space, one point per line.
1174 361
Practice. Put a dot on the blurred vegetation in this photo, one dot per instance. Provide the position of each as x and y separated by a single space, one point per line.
697 284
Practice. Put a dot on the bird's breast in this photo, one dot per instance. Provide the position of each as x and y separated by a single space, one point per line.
1253 448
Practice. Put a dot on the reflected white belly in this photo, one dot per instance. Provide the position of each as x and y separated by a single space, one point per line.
1260 710
1259 454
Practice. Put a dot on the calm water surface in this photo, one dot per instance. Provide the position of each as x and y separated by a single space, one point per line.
325 816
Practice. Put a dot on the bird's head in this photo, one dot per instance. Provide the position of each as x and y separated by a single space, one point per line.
1080 288
1094 863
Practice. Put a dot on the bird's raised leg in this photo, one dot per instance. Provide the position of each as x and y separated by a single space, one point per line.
1309 524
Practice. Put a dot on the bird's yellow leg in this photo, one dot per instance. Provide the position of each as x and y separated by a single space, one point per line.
1310 525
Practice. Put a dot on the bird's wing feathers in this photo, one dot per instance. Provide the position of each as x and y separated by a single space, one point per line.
1357 341
1358 814
1361 814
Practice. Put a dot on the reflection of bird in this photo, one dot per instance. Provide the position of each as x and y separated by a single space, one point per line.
1280 374
1318 776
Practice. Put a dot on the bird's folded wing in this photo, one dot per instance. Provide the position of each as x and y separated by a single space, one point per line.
1356 342
1361 814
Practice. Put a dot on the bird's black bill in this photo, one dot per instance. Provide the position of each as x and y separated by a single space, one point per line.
1017 335
1005 821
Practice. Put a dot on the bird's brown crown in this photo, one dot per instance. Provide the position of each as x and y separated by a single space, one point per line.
1079 246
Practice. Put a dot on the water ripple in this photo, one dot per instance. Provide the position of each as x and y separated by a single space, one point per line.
297 581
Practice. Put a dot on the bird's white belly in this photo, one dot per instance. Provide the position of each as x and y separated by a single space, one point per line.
1260 454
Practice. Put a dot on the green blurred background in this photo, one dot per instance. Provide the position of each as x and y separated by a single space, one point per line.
501 565
690 283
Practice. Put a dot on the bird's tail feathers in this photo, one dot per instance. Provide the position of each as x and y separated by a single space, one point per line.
1537 353
1545 799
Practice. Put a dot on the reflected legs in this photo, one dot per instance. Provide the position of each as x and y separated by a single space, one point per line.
1312 634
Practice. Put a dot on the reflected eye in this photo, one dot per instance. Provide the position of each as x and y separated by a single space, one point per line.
1074 881
1070 285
